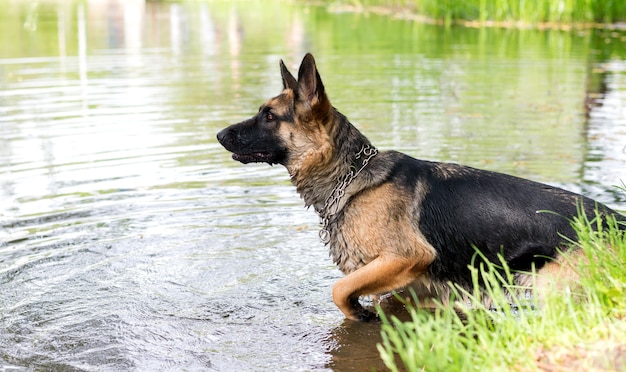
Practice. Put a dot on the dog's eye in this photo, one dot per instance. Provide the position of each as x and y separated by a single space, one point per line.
269 116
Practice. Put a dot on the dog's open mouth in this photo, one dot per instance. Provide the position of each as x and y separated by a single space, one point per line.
255 157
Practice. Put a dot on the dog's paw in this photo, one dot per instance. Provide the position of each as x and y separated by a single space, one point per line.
366 316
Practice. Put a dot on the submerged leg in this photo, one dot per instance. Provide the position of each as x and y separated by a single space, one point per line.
383 274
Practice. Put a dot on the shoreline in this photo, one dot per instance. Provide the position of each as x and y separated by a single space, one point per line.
405 13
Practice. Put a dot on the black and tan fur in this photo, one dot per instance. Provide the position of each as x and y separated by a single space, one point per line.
401 221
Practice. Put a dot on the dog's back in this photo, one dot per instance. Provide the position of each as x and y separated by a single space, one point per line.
525 221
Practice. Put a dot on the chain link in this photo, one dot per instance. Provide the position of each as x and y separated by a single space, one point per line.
331 203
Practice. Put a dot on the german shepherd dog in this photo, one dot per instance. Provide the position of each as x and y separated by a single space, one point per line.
391 220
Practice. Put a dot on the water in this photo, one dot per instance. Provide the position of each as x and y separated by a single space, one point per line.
130 240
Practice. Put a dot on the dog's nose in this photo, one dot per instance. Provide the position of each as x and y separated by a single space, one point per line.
221 134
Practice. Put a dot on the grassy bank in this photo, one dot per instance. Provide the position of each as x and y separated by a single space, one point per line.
500 12
579 327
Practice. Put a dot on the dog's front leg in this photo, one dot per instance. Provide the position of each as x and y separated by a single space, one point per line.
383 274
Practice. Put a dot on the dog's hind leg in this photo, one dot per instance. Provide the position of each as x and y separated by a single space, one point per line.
383 274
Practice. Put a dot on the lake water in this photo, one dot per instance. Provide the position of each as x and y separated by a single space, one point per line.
129 239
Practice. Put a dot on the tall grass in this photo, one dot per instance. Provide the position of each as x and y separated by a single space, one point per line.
579 327
511 11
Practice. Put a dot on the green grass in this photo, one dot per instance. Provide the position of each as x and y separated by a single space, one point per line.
578 327
505 11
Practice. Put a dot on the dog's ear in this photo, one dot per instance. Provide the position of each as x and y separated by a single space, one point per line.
289 82
310 87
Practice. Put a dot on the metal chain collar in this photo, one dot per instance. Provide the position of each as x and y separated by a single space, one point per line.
331 203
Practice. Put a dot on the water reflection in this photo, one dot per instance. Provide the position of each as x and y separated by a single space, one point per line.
130 239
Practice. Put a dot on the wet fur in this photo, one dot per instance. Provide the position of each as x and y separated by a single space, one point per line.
402 221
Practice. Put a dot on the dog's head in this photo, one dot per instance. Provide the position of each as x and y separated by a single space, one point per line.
291 129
